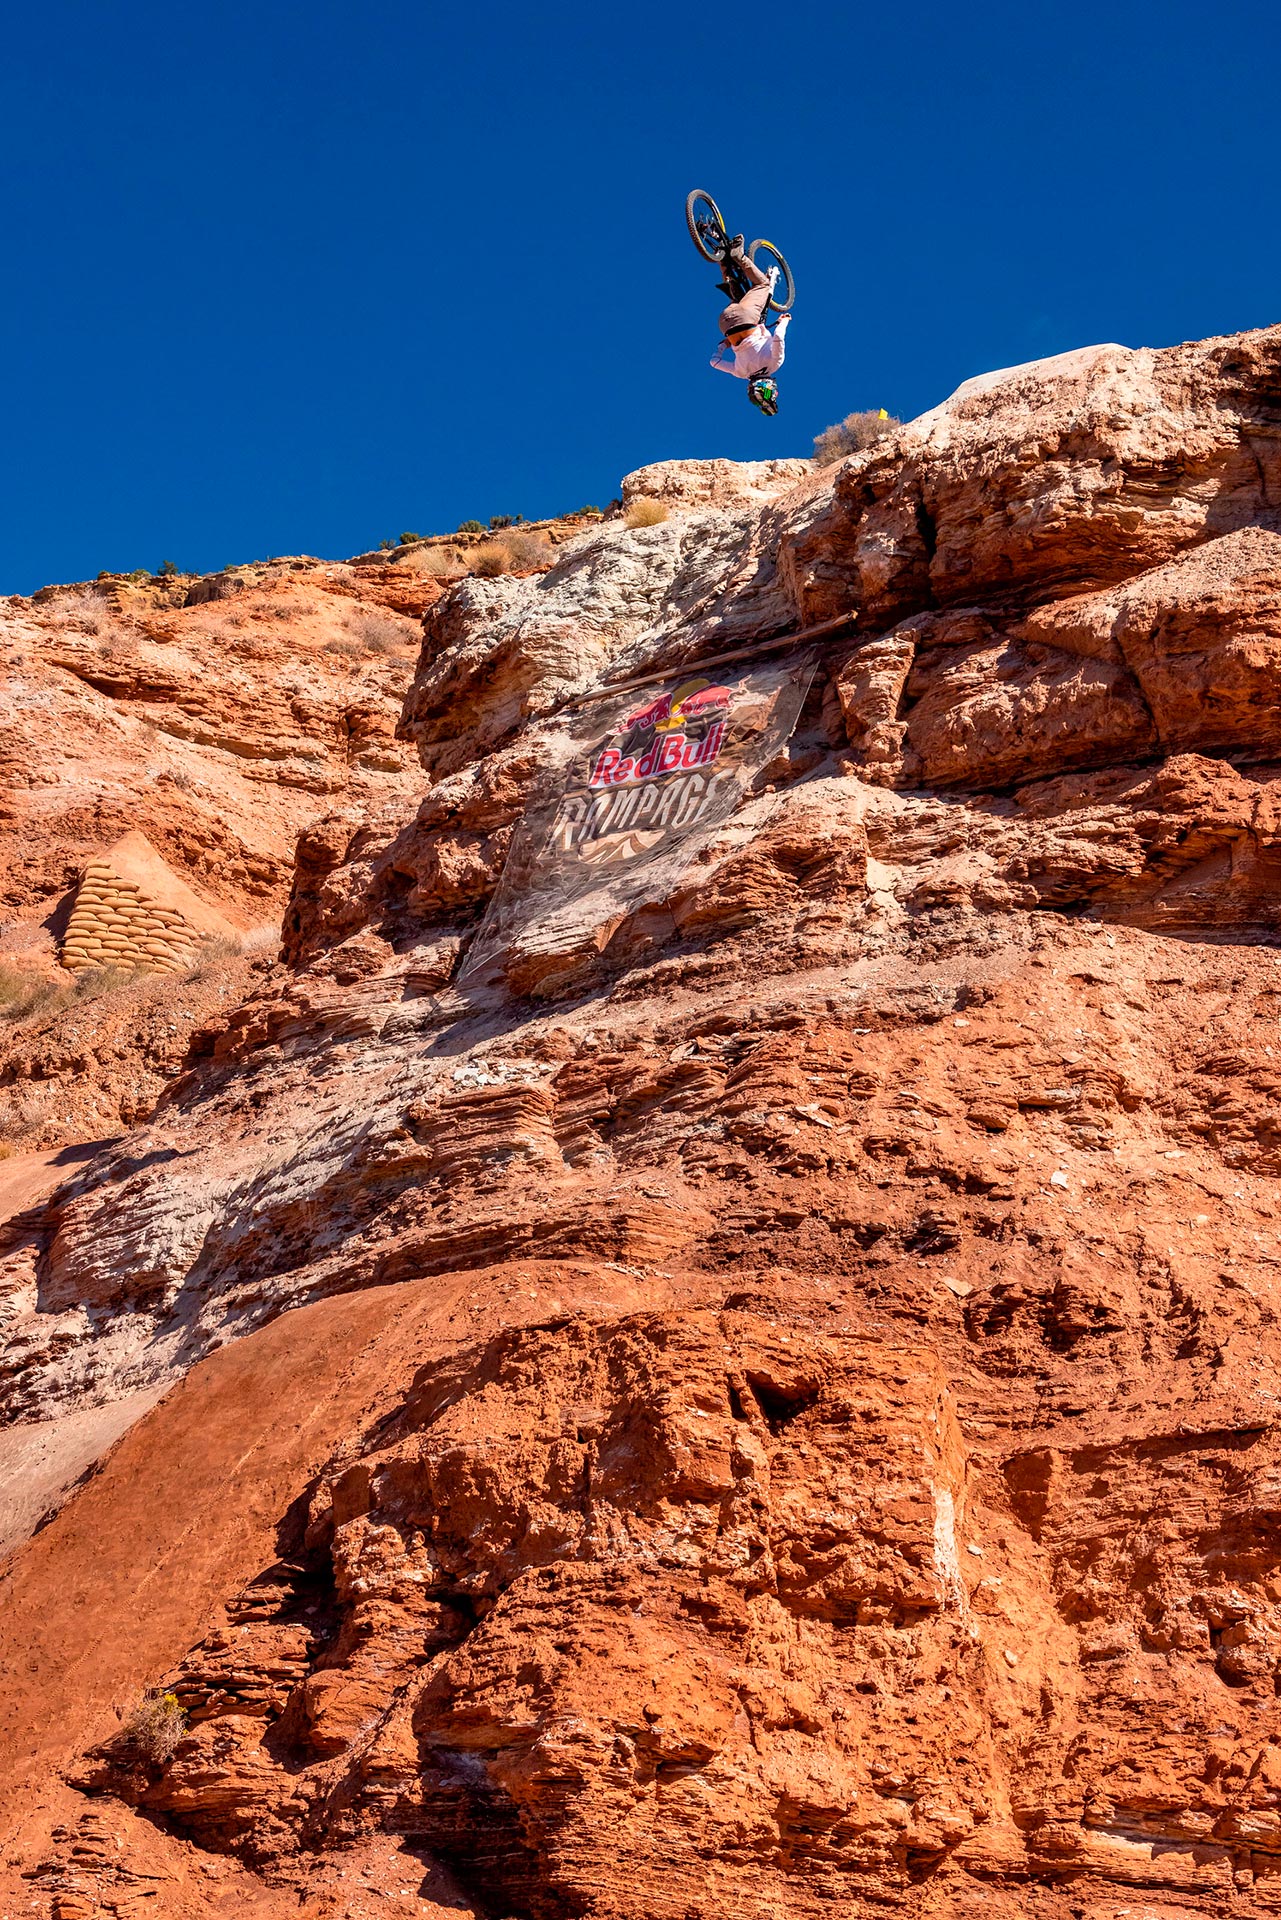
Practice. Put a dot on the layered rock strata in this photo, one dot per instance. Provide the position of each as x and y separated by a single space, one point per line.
786 1394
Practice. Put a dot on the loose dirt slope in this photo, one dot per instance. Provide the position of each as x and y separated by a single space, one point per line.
823 1454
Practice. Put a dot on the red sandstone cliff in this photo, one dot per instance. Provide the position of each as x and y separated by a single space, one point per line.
778 1412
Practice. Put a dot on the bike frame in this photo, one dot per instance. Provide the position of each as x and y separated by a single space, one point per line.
734 286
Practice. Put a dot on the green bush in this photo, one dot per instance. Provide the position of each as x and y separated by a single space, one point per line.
470 526
585 513
411 539
497 521
167 570
853 434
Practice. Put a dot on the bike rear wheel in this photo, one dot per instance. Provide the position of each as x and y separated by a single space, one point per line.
706 228
785 291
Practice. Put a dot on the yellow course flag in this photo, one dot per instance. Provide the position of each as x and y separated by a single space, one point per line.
882 415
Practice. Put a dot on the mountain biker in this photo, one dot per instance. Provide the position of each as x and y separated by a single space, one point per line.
748 349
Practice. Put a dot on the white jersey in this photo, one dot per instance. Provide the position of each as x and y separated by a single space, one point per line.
760 351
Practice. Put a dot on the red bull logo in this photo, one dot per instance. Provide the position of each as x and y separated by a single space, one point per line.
674 733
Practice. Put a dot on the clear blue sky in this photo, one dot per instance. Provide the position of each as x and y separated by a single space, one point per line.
290 278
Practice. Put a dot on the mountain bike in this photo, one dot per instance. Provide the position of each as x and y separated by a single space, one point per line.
708 232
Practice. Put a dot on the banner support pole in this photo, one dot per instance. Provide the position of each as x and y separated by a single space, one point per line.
795 639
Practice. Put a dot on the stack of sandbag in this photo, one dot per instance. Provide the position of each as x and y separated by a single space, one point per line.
132 910
115 924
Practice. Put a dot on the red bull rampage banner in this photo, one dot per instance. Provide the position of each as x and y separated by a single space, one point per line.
641 785
657 775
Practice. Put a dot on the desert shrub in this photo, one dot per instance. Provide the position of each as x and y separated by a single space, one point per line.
491 560
23 993
88 610
585 513
214 953
851 435
527 550
25 1109
167 570
152 1729
13 985
644 512
138 574
28 996
378 632
344 644
497 521
470 526
91 983
410 539
442 563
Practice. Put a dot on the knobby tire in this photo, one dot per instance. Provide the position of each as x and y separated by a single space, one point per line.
691 204
785 292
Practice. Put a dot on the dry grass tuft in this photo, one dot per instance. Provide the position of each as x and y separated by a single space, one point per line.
153 1729
377 632
23 993
528 550
489 561
214 954
515 552
853 434
88 611
91 983
24 1109
438 563
644 512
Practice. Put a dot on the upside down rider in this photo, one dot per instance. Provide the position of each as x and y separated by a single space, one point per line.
748 349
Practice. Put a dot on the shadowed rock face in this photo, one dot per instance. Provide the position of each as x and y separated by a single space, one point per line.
829 1458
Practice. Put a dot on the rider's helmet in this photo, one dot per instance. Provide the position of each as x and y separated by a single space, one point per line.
763 393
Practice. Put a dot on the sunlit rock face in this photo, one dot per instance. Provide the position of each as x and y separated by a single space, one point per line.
774 1413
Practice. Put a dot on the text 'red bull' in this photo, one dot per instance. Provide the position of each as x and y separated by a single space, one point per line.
672 753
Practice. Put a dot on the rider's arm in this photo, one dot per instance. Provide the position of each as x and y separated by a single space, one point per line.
723 358
778 344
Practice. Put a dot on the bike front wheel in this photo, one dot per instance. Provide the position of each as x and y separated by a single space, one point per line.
764 254
706 228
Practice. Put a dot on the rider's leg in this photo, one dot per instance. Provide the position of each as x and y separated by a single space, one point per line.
754 303
749 269
750 310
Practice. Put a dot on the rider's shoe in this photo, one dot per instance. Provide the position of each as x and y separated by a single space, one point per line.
734 247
